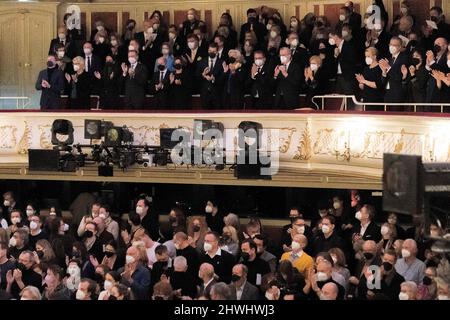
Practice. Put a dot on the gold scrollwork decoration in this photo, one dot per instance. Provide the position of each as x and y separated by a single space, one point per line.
8 138
285 143
24 143
304 148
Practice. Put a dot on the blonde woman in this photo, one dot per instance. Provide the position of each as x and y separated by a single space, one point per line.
44 252
388 235
229 240
101 45
81 84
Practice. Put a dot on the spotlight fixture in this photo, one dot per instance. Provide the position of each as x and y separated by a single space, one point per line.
117 136
62 132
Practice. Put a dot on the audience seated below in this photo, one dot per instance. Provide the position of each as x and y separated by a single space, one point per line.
98 255
266 66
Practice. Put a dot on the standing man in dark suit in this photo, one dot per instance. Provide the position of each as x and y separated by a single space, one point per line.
221 260
436 60
260 82
240 288
254 25
51 82
193 56
160 85
393 78
92 62
288 80
367 229
135 77
64 40
344 53
209 72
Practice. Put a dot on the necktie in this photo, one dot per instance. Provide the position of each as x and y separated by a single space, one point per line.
211 65
89 64
161 76
259 70
229 84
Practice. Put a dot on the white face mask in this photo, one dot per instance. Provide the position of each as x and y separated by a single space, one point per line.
114 43
384 230
87 51
172 36
191 45
325 229
61 54
314 67
358 215
403 296
283 59
331 42
294 24
30 212
15 220
80 295
392 50
150 30
131 48
129 259
100 28
406 253
294 43
259 62
273 34
301 229
269 26
132 60
12 242
322 276
335 260
342 17
344 33
443 297
65 227
404 10
107 285
295 246
6 203
207 247
33 225
73 271
448 63
208 209
190 17
75 68
369 61
102 215
269 295
61 36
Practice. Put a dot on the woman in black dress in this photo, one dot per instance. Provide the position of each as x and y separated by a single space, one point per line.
233 80
316 80
82 84
180 86
370 81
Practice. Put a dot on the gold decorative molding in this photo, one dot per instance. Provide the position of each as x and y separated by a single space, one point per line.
24 143
8 137
304 148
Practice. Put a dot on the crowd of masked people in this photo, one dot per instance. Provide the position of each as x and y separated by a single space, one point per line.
382 60
99 255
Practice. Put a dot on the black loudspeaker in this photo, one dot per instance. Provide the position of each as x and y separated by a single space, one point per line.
248 170
402 183
43 160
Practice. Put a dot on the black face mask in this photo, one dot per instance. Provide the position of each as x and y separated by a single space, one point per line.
130 27
196 228
21 266
323 50
368 255
76 254
434 19
109 254
387 266
98 278
88 234
437 49
427 281
111 297
413 43
177 66
251 20
292 219
226 237
50 64
245 256
232 60
172 220
212 55
415 61
235 278
40 254
161 67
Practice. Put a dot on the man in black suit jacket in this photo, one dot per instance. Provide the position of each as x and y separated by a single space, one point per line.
92 62
221 260
253 24
355 18
344 53
150 41
160 84
134 77
287 77
63 39
393 78
260 82
367 229
436 60
51 82
240 288
209 72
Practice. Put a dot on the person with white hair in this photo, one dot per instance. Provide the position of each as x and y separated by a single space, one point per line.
30 293
411 268
408 291
182 282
